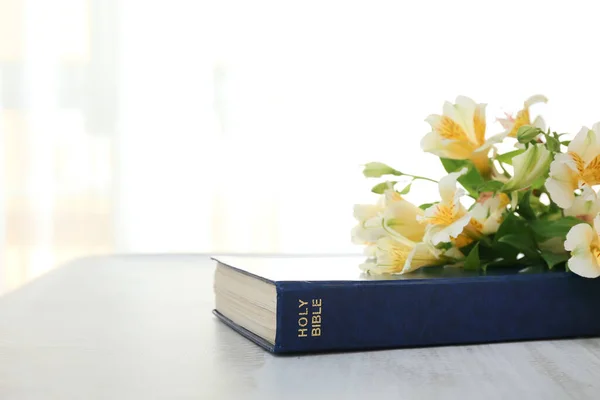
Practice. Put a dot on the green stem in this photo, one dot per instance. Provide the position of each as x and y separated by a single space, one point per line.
486 241
421 177
506 174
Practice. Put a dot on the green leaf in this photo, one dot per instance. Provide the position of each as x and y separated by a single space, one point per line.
552 144
500 254
540 181
553 259
444 246
453 165
380 188
490 186
524 207
377 170
565 142
522 242
506 158
472 262
546 229
406 189
425 206
511 224
471 180
514 236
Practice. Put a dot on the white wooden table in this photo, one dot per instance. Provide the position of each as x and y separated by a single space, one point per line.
142 328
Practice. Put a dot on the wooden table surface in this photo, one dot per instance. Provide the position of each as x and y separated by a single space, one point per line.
141 328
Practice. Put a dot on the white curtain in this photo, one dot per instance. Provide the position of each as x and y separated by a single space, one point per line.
236 126
56 195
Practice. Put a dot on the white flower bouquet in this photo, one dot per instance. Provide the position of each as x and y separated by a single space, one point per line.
533 206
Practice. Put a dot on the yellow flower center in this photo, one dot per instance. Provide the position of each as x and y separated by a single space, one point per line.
590 173
395 196
479 125
482 163
504 200
596 252
398 256
462 240
471 232
449 129
443 216
521 120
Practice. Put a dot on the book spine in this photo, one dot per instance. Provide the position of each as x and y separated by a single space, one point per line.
368 315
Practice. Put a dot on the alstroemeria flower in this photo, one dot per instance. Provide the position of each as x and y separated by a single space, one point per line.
512 124
584 244
459 134
489 214
579 168
449 221
396 255
370 227
585 206
529 166
391 213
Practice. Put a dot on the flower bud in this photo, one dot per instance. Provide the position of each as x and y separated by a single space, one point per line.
529 166
377 169
527 133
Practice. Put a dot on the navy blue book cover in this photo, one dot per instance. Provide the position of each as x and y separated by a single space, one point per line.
328 304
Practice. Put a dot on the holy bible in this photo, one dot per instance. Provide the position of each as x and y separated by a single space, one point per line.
316 304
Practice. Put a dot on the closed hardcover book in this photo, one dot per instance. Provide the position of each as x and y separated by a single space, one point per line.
315 304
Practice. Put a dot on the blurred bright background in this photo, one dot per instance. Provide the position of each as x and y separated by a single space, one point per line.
240 126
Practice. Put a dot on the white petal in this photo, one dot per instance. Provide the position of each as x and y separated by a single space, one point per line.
580 236
465 109
456 113
585 206
444 234
579 241
565 159
539 122
585 144
562 182
560 192
434 120
447 185
370 250
480 212
491 224
392 254
495 139
368 231
538 98
371 267
589 194
419 257
363 212
529 166
507 123
357 235
441 147
454 253
401 216
466 102
597 223
585 264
